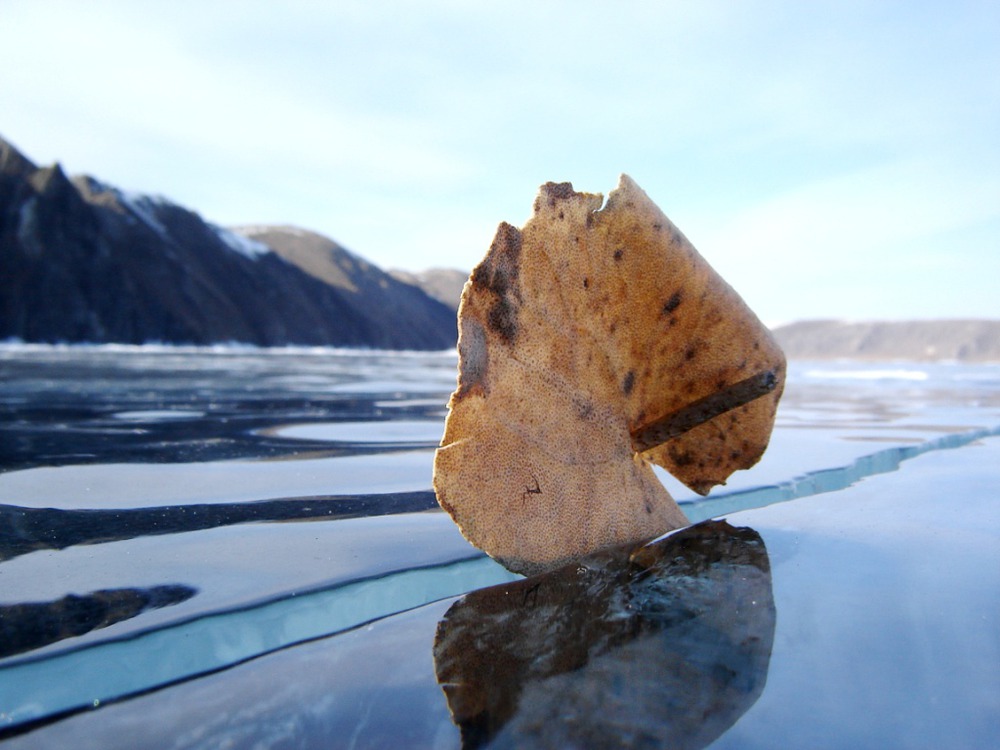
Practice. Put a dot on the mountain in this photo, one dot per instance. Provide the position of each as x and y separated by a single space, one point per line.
388 301
927 340
443 284
83 261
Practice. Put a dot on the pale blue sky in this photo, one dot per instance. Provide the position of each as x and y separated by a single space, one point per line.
830 158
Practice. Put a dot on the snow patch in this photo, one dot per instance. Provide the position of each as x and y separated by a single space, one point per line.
144 207
27 227
139 206
238 243
253 229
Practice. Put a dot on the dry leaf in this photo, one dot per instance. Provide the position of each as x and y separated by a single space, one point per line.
592 342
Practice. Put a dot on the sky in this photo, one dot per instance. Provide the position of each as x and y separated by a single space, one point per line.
829 158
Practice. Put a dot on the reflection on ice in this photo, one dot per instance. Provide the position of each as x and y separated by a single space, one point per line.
664 647
393 431
69 405
143 415
31 625
30 529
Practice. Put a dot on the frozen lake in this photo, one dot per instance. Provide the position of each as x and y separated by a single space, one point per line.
211 546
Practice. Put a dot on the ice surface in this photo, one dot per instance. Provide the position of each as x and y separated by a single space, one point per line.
838 477
189 647
141 485
372 687
886 599
280 487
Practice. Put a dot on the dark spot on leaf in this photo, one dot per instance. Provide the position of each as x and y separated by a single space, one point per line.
586 282
672 304
584 409
681 458
502 318
629 382
619 253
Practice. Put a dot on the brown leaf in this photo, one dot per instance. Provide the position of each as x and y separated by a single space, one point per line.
592 342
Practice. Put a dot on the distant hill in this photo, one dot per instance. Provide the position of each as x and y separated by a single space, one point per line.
443 284
927 340
83 261
920 340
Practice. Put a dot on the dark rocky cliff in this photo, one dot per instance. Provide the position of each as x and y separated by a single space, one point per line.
81 261
389 302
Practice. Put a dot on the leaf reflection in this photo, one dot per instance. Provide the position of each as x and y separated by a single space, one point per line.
664 646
